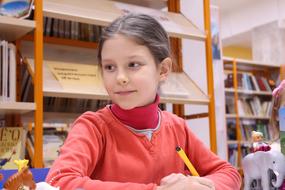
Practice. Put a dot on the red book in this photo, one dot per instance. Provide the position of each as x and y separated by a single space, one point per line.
260 84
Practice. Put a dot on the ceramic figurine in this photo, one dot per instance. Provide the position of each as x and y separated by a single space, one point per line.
256 166
258 143
20 179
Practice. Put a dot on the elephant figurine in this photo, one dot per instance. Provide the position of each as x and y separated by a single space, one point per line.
257 166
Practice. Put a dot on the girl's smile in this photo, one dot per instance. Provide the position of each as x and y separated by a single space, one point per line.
125 93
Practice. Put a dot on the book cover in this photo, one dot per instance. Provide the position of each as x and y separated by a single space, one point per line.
11 146
15 8
261 84
282 128
255 84
76 77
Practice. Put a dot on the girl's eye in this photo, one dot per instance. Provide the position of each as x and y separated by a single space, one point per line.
109 67
134 64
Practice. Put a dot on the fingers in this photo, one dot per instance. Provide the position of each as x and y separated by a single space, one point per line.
204 181
275 92
172 178
181 182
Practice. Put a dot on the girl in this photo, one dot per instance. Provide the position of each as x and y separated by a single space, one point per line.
131 143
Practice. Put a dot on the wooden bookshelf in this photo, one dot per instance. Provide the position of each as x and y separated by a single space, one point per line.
104 12
12 29
16 107
267 70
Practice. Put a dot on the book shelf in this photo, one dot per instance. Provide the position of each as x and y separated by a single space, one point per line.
248 103
16 107
248 92
12 30
102 13
233 116
185 92
66 42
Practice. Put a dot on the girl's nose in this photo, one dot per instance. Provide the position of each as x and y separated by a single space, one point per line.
122 79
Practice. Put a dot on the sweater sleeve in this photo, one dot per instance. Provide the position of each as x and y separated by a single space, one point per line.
78 158
209 165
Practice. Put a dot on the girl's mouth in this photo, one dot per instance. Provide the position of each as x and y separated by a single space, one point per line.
123 93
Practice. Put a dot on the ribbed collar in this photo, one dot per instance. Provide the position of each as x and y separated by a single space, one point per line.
145 117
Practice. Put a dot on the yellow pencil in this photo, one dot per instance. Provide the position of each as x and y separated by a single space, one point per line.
184 157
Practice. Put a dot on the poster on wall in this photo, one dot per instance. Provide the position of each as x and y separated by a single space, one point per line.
218 70
282 128
215 33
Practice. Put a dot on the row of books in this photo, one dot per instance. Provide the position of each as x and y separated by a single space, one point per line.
233 153
27 86
246 127
249 106
12 146
247 81
8 76
71 30
56 104
53 139
2 121
72 105
7 71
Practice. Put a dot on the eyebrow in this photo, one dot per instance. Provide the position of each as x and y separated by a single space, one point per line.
136 56
130 57
107 60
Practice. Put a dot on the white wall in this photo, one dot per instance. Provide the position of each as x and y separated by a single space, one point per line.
255 13
195 66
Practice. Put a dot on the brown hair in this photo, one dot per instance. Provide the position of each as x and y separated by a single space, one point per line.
142 28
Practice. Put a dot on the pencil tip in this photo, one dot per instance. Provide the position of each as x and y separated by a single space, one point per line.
178 148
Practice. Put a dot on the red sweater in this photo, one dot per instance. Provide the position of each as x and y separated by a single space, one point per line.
101 153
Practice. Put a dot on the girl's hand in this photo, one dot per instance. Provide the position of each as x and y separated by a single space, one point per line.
276 92
181 182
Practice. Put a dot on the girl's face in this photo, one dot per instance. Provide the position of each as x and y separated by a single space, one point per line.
130 74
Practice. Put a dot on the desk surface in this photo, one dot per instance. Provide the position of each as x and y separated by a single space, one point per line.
39 174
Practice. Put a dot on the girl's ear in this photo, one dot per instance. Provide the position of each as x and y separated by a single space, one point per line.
165 68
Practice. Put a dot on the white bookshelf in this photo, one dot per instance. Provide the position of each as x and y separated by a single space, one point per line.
179 87
191 92
246 99
250 64
14 28
233 116
247 143
248 92
53 119
104 12
16 107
